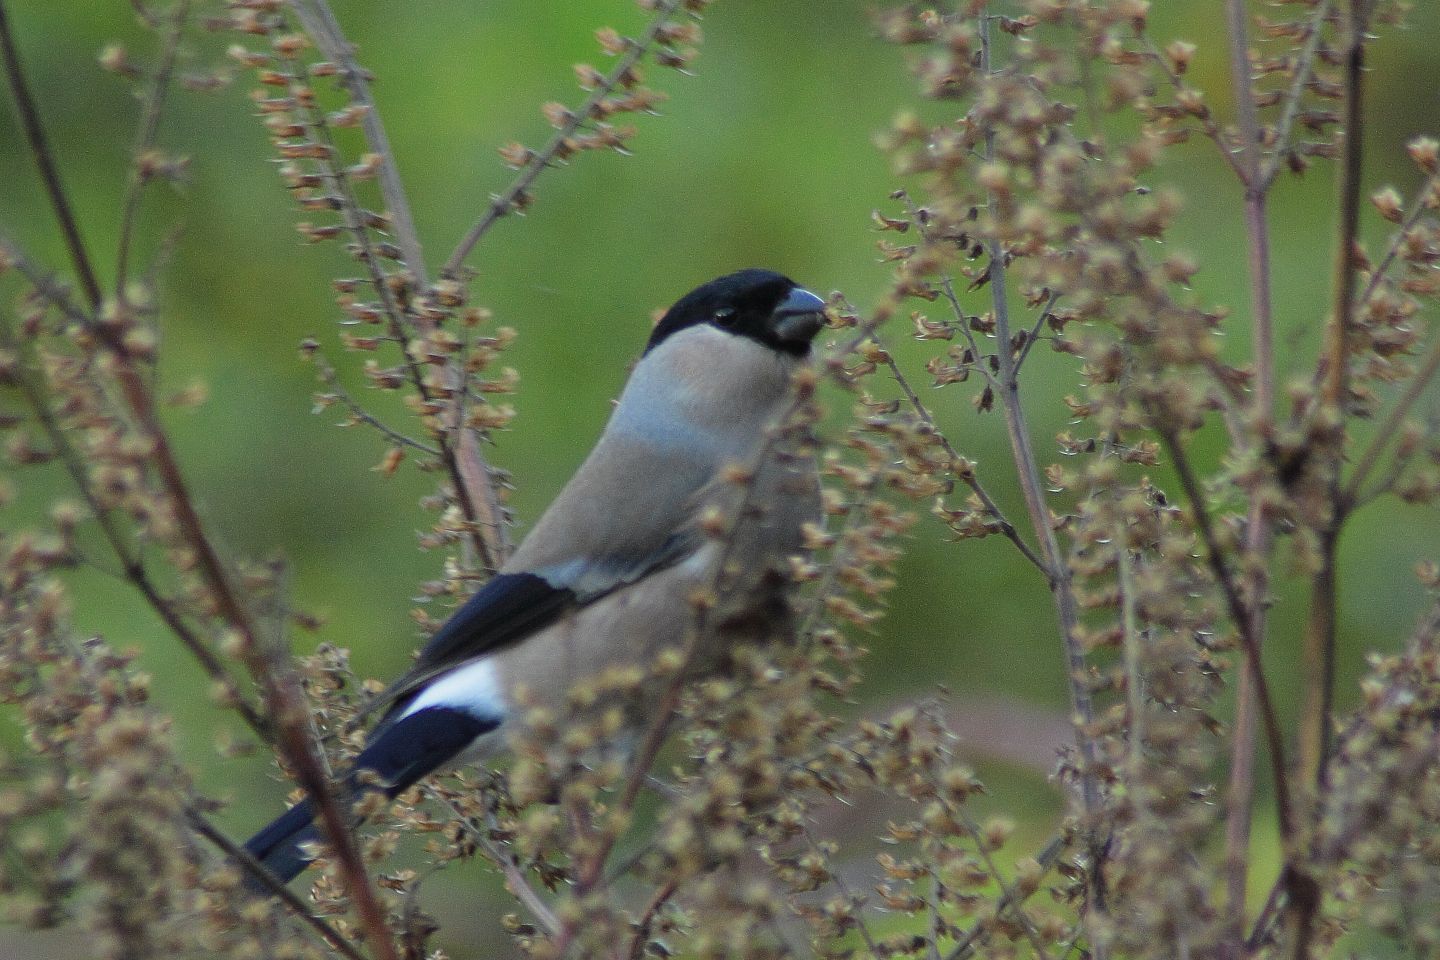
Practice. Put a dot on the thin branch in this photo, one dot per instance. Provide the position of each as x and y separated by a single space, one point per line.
286 703
1302 71
1239 616
133 569
1034 333
513 195
320 23
967 477
1009 897
519 887
331 379
1207 122
145 142
965 948
473 489
1241 788
1393 421
1321 622
1061 588
1419 205
1243 87
45 160
255 869
661 896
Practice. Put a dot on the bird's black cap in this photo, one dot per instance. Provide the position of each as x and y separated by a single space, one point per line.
760 304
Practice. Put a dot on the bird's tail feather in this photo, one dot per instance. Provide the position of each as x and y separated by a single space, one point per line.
278 846
400 753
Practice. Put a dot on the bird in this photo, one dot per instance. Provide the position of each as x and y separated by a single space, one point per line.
607 575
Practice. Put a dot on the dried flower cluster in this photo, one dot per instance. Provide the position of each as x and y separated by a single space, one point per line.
1026 219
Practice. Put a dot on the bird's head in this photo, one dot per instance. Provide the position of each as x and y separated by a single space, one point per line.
765 306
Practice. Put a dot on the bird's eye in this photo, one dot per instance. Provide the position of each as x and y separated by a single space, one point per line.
725 316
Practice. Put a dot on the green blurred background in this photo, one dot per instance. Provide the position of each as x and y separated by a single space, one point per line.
764 158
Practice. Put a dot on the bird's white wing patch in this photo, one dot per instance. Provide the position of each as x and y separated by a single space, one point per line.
474 688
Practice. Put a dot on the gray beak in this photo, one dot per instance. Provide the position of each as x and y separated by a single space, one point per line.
799 316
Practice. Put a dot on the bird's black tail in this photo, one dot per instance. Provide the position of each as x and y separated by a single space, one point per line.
400 753
278 845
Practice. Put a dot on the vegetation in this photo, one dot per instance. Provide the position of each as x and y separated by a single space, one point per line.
1204 489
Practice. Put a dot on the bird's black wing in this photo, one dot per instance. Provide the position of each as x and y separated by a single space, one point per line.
508 608
512 606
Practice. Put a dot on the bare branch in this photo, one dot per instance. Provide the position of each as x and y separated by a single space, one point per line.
145 142
45 160
514 194
320 23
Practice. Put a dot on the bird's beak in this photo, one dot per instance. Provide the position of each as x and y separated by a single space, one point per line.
799 316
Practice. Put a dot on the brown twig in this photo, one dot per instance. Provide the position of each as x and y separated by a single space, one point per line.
320 23
136 395
473 489
331 378
286 703
1239 615
1255 185
1008 897
1302 71
1207 121
662 895
1034 333
967 477
45 160
130 562
1419 205
1368 460
1321 622
1061 587
965 948
507 201
255 869
145 141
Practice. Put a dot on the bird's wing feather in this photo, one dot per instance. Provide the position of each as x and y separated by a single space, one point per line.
512 606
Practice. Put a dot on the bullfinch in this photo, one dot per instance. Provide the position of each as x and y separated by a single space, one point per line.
607 576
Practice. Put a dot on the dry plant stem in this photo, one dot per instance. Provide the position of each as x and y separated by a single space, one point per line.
1368 460
844 889
515 880
1058 572
506 202
1418 208
1320 637
981 930
1035 330
45 160
331 379
1319 652
1239 615
1207 122
286 705
471 477
967 477
145 141
468 469
130 562
320 23
1008 892
647 919
1240 795
1302 72
136 395
274 887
